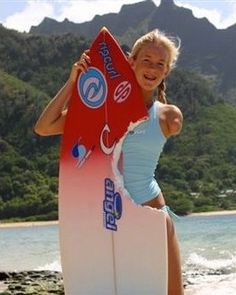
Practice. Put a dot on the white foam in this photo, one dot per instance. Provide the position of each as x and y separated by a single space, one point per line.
53 266
200 262
225 285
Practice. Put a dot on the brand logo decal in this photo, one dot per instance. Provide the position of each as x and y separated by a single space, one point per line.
105 148
122 91
92 88
108 60
137 132
112 205
80 153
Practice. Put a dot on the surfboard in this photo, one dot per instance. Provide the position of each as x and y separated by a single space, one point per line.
108 244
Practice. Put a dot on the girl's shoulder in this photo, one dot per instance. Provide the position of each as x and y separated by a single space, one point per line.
171 118
169 108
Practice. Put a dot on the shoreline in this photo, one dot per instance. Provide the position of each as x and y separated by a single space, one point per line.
214 213
51 282
27 224
56 222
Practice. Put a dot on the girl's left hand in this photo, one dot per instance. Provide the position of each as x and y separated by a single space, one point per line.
81 65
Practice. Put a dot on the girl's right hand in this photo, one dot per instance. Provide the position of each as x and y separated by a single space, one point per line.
81 65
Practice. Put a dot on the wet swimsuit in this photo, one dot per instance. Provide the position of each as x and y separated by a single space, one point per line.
141 151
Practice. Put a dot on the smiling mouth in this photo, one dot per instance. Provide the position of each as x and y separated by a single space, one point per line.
149 78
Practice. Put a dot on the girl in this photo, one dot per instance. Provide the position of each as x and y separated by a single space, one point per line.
152 58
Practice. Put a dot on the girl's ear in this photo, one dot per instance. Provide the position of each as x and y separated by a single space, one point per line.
167 71
131 61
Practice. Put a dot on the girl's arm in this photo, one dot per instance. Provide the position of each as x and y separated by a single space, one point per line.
52 119
171 120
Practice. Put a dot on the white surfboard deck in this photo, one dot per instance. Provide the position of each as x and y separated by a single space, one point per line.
97 261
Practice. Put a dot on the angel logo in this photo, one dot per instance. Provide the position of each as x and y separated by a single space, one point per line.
92 88
112 205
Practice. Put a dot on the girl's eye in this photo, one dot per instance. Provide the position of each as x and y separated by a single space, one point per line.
147 62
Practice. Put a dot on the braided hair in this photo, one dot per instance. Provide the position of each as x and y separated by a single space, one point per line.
162 92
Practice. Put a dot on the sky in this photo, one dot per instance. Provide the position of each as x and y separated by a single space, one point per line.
22 14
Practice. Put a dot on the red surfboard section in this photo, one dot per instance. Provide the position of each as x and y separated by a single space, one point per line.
105 101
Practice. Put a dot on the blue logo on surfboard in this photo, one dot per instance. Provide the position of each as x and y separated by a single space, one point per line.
112 205
92 88
81 153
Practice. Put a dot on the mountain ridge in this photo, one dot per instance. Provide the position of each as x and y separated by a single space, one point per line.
204 47
147 7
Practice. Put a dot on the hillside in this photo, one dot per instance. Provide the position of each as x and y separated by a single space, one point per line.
43 61
204 48
200 161
28 164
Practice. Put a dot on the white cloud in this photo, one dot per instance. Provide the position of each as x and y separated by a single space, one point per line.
213 15
231 18
33 14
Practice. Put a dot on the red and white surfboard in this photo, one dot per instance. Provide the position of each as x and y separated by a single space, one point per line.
109 245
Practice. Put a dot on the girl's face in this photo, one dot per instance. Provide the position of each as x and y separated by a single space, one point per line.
150 66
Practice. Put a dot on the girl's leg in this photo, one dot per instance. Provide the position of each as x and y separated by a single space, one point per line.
175 284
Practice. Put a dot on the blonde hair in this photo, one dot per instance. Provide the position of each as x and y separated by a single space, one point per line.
171 44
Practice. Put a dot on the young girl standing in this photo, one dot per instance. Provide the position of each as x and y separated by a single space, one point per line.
152 58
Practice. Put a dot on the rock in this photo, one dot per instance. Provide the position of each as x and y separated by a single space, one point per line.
33 282
4 276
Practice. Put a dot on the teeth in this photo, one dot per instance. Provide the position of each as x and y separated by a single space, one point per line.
149 77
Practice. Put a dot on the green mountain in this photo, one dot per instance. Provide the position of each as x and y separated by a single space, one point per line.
196 171
43 61
28 164
204 48
198 168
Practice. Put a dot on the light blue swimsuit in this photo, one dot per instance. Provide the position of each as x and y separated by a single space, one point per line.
141 151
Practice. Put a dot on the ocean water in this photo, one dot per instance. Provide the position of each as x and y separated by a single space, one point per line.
208 249
29 248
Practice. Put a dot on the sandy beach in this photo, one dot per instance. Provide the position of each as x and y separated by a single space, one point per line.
214 213
27 224
44 223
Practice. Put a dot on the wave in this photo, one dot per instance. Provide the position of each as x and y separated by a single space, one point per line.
53 266
218 266
204 276
226 287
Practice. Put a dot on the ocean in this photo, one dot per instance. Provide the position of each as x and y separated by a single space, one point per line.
208 249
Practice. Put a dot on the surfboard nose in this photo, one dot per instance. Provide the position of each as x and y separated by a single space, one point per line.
104 29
